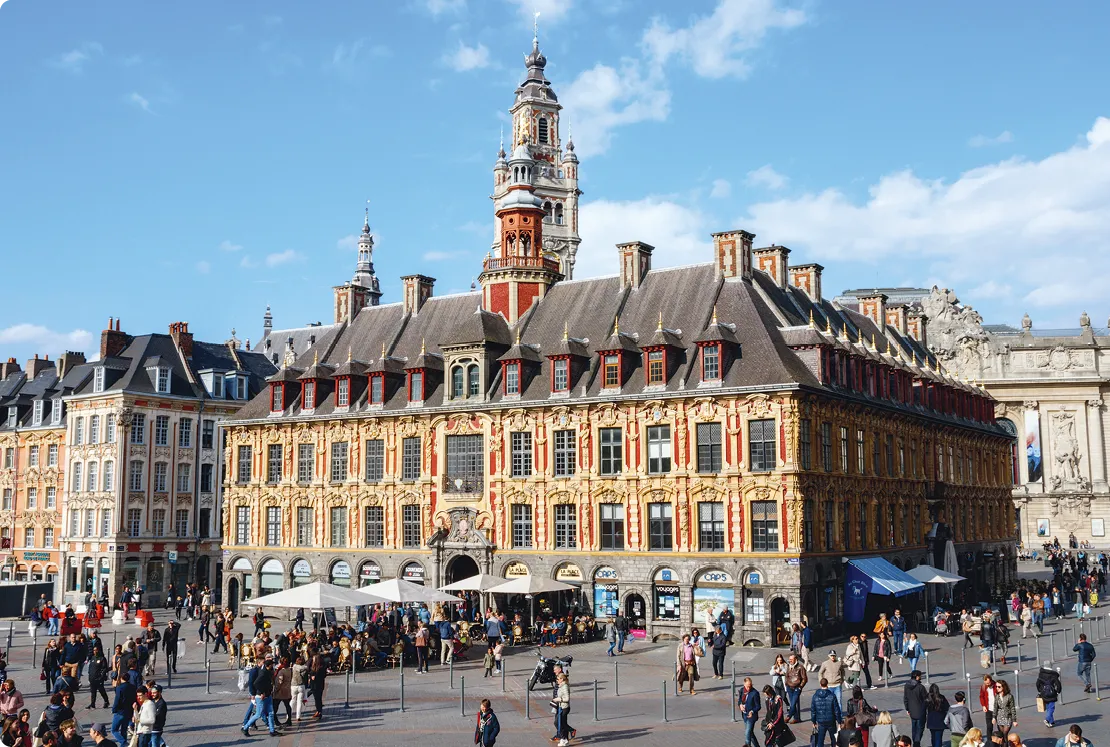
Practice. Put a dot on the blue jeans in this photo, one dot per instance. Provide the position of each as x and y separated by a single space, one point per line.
898 642
822 729
913 663
119 727
1050 712
917 730
937 737
749 731
612 645
1083 669
263 710
620 638
52 629
793 694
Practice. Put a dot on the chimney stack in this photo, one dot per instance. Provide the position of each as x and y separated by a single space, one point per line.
37 365
732 254
416 289
635 258
112 341
915 326
896 317
873 306
68 361
772 260
8 368
808 278
182 338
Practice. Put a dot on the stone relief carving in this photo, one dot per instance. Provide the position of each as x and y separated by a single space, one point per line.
955 333
1057 359
1065 452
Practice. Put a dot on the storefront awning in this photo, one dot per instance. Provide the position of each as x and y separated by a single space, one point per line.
885 577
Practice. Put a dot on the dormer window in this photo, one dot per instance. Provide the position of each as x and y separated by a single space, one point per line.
13 415
162 385
416 386
457 382
342 392
512 378
37 415
560 375
56 412
241 388
711 363
377 389
656 367
277 398
98 379
214 383
309 395
473 380
611 365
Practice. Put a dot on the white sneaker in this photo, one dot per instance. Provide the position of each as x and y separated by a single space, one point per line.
563 743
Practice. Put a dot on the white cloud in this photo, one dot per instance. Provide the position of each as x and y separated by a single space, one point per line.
765 176
992 289
603 98
468 58
39 339
438 7
980 141
347 243
551 11
227 246
714 45
1029 222
74 60
721 189
204 267
281 258
679 234
139 101
247 263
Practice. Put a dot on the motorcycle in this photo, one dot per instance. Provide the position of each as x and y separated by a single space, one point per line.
545 669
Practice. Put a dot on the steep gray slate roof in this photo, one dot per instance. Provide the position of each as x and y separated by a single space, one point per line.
273 344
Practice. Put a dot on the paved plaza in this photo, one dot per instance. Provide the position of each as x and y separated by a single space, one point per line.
630 701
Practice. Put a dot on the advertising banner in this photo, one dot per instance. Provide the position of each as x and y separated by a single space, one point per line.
1033 445
857 587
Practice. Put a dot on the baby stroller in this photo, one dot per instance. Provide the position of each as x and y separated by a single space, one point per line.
458 649
943 623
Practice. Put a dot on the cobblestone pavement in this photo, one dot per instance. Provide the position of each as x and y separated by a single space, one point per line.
433 709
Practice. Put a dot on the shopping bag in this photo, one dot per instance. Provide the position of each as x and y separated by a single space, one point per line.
787 737
985 658
1040 704
180 649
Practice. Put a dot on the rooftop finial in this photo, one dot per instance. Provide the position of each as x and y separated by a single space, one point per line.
383 350
811 322
660 327
715 316
518 337
366 219
566 331
828 325
616 325
422 346
536 29
349 353
315 357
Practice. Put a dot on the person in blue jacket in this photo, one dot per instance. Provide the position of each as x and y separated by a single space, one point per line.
1085 658
748 700
824 710
487 728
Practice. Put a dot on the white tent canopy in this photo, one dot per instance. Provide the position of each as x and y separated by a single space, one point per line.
314 596
481 582
927 574
531 585
399 590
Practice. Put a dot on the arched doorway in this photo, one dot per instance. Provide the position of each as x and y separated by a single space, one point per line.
636 611
233 594
460 567
780 621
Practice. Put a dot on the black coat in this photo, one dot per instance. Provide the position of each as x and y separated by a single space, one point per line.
914 698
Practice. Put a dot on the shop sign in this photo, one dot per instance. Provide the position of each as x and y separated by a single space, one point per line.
666 601
516 569
413 572
272 566
754 578
666 575
715 578
342 569
569 573
605 573
302 569
36 556
171 555
242 564
370 571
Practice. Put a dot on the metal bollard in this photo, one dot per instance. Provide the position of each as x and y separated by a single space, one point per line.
734 671
676 690
354 665
1061 693
1017 688
1051 647
664 701
926 653
207 678
402 669
34 650
1019 656
1094 671
994 663
169 676
963 659
347 690
115 641
616 679
1037 643
503 668
968 678
527 701
595 700
11 631
462 695
451 668
734 701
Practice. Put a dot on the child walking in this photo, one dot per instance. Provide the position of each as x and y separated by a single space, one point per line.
487 662
498 650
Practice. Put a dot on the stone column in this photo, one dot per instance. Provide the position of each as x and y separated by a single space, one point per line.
1097 450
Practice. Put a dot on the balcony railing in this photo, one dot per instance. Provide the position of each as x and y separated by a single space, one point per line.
526 263
463 484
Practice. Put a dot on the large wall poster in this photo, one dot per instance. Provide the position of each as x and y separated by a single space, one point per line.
1033 445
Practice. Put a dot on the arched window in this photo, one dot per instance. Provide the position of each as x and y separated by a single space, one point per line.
547 212
559 214
543 130
525 245
457 382
474 382
1008 425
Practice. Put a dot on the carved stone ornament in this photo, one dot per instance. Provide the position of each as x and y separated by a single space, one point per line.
1095 404
1065 449
1030 404
759 405
1057 359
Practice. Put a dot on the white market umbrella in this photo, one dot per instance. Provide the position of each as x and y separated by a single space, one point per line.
315 596
531 585
481 582
951 564
401 591
927 574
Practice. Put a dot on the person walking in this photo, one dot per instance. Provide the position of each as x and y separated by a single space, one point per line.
1084 660
317 674
936 712
987 702
51 664
262 695
795 679
123 708
898 630
686 667
748 701
865 660
913 651
824 714
718 643
883 733
864 714
1048 690
299 682
882 655
968 627
853 659
958 719
973 738
833 671
98 675
622 631
806 646
778 672
11 700
562 709
1005 709
161 709
170 641
775 729
914 699
283 691
420 642
488 727
849 734
446 642
1074 738
152 638
1026 621
611 637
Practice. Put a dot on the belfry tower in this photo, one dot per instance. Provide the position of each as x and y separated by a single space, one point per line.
535 116
363 289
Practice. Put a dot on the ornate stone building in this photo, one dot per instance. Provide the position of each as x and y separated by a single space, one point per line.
142 499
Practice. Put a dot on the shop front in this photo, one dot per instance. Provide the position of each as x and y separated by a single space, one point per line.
607 601
714 590
667 596
369 573
413 572
568 602
272 577
302 572
341 573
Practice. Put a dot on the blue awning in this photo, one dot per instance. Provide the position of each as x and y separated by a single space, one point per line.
885 577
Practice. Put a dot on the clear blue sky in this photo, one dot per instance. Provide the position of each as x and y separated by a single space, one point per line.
163 162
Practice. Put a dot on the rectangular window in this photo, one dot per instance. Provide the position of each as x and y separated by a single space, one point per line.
158 522
377 389
410 459
78 427
36 418
375 460
416 386
343 392
805 443
755 610
52 455
306 462
711 526
109 475
162 430
244 473
879 526
830 526
206 478
7 503
94 429
464 465
309 397
843 449
29 537
110 429
522 525
612 456
765 526
242 525
566 453
560 375
135 477
410 525
181 522
807 526
339 461
655 368
138 428
98 379
306 526
273 464
273 525
51 497
860 458
77 484
184 478
185 433
163 380
876 457
90 522
845 527
48 537
901 459
612 371
521 442
74 522
566 526
56 408
660 526
826 447
890 456
864 538
375 526
512 378
611 525
32 498
207 434
913 457
711 363
161 471
106 522
659 449
93 485
761 444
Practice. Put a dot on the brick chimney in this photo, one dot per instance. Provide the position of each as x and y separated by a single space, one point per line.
182 338
68 361
732 254
112 341
9 367
635 258
37 365
915 326
808 278
873 306
896 317
416 289
772 260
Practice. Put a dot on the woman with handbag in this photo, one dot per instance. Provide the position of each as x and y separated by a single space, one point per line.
51 665
884 733
775 731
936 708
882 654
686 668
863 712
1005 708
778 672
562 709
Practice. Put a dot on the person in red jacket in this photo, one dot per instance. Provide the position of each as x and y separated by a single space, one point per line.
986 700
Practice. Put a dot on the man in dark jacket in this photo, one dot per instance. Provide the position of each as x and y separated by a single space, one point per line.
1086 657
98 675
795 680
622 631
152 638
748 701
824 712
865 659
169 643
913 698
160 710
123 708
262 694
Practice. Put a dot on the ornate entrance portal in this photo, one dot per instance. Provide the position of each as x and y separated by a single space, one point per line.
460 567
459 546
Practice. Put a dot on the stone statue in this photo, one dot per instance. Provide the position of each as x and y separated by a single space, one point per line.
956 332
1065 448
